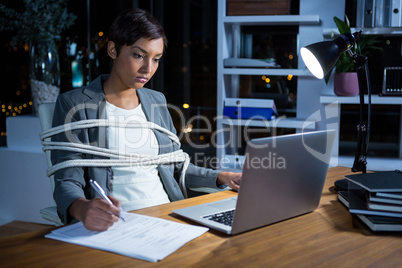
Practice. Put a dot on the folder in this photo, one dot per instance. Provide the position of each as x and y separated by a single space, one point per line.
239 108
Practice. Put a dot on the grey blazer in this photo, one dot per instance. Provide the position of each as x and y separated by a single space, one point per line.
89 102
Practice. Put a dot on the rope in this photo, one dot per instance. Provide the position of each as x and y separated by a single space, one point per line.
123 160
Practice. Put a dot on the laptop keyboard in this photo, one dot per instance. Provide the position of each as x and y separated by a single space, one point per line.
225 217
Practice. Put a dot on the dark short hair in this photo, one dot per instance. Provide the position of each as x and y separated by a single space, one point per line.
134 24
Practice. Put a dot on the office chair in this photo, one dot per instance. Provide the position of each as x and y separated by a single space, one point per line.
46 117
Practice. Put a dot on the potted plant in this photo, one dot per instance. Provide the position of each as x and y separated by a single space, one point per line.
39 26
345 78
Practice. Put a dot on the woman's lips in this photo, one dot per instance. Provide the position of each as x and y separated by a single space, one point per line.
141 79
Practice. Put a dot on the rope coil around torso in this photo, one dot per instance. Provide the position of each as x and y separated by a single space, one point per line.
120 159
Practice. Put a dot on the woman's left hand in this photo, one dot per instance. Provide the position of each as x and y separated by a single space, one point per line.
231 179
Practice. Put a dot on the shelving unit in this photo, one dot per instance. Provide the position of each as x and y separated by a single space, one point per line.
330 33
317 107
337 101
231 66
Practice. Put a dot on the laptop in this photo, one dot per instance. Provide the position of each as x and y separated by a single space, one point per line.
283 177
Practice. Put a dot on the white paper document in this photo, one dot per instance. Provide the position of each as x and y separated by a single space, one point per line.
143 237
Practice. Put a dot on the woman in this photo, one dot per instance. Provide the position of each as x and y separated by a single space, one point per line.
136 45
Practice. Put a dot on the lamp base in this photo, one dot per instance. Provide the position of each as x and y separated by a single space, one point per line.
341 185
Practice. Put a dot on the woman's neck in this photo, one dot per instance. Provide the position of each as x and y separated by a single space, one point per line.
125 98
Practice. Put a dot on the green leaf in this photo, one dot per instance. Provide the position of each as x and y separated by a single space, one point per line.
367 43
343 26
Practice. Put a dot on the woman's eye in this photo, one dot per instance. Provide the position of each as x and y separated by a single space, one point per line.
138 56
157 60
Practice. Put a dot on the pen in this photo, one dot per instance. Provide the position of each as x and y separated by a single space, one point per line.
102 193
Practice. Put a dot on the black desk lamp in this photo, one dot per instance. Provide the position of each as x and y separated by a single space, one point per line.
320 58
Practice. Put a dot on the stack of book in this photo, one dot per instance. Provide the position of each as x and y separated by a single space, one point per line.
376 199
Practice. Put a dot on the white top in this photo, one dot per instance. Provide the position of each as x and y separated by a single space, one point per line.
135 186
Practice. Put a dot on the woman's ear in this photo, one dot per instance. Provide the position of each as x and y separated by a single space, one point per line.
111 50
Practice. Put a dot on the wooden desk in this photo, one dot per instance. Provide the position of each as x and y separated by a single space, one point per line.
326 237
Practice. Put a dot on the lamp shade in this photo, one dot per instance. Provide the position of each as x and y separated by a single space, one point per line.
321 57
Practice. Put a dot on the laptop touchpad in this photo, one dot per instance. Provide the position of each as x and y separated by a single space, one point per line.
225 204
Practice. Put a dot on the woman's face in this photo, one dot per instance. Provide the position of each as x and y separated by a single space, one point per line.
136 64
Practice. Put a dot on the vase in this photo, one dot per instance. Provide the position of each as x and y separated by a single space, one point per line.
346 84
44 72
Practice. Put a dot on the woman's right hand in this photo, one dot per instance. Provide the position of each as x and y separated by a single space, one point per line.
95 214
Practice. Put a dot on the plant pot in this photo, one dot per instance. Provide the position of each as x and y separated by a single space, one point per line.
44 73
346 84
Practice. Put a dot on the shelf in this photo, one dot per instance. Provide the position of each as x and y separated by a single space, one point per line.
373 163
272 20
375 99
244 62
266 71
281 122
332 32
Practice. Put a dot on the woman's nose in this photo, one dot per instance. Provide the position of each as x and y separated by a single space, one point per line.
146 67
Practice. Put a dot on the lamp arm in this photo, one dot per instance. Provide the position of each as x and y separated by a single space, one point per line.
363 130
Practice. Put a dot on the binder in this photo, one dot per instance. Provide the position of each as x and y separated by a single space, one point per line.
360 13
366 11
378 13
259 109
382 13
396 20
